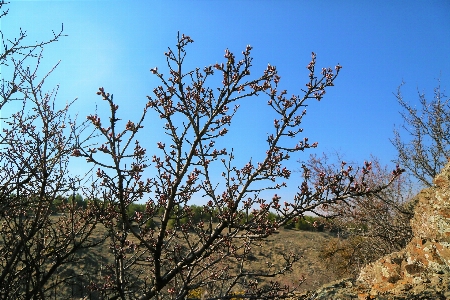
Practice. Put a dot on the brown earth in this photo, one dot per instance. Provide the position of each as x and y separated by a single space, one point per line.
310 266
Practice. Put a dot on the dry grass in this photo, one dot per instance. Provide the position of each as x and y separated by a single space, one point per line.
92 263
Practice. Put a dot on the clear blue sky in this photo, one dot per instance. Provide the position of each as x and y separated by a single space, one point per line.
379 43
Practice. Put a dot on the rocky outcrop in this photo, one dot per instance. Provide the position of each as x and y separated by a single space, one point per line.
421 270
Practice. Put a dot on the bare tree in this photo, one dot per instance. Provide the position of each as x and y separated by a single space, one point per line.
425 147
180 255
368 226
378 224
36 143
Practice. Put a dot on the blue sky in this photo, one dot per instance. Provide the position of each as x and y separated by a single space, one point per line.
379 44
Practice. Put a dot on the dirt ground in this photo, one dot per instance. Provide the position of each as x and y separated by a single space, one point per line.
310 266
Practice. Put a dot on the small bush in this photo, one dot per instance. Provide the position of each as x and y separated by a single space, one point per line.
345 257
305 223
150 224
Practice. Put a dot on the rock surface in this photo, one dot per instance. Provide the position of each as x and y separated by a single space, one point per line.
421 270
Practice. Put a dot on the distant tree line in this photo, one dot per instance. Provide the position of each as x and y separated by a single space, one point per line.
196 214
